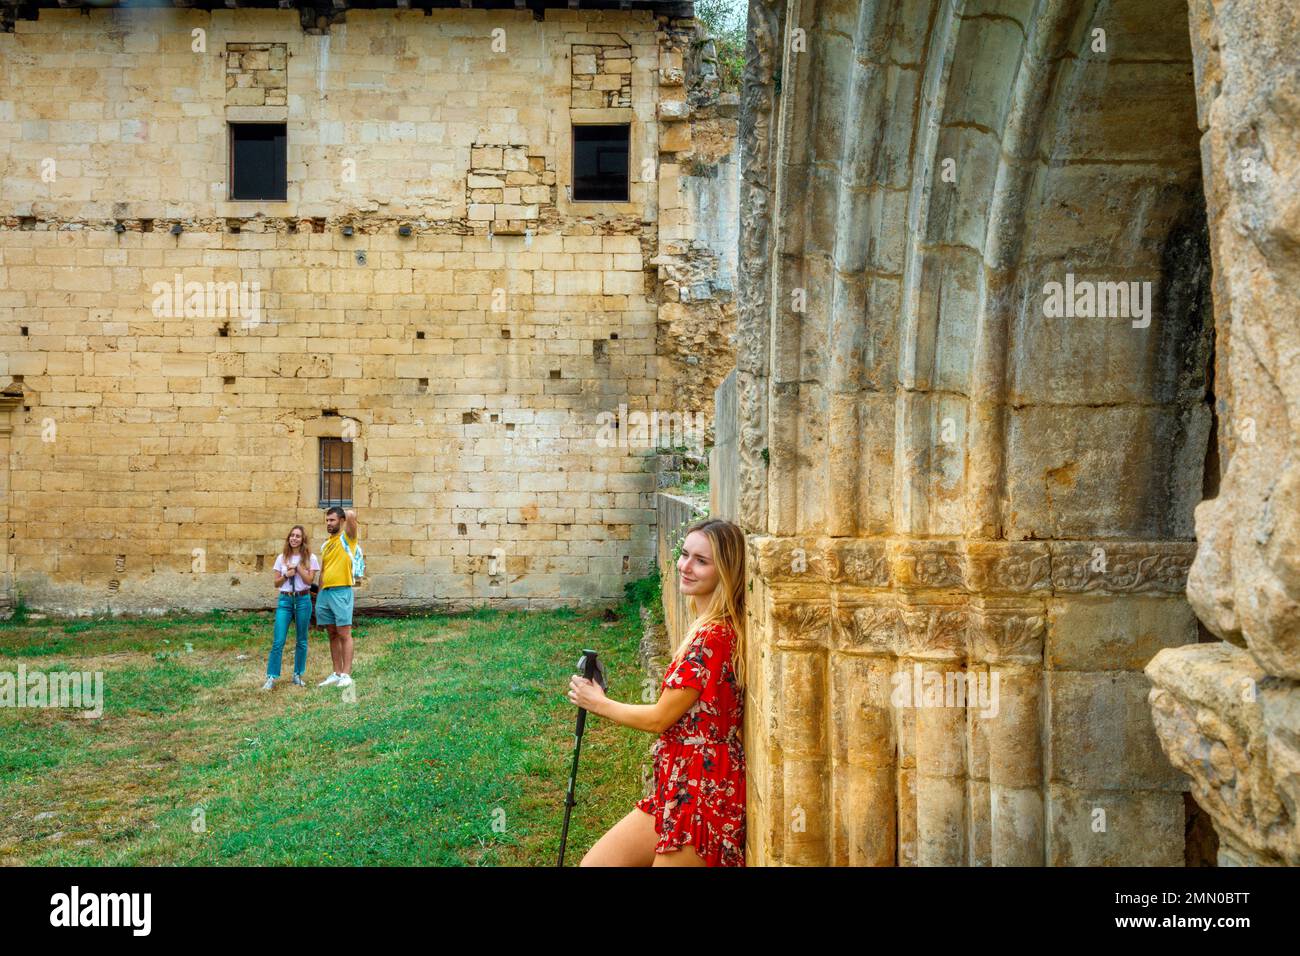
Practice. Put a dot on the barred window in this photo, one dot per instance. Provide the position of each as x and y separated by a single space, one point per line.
335 472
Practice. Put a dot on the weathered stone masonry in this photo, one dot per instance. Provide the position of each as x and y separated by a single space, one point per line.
157 460
935 470
1228 712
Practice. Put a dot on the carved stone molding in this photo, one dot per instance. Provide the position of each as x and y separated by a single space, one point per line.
1121 567
858 562
977 567
926 564
895 627
1022 566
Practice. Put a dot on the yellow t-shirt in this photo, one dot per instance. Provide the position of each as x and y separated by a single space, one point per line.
336 566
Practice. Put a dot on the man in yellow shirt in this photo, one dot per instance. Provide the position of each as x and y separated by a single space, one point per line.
334 603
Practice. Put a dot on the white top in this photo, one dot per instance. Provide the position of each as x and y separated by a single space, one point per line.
296 583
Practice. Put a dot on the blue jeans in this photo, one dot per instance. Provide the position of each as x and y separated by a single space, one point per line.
296 608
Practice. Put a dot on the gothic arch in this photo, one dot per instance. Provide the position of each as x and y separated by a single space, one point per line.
937 471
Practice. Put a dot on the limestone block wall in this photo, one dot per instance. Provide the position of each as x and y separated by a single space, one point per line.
699 225
257 74
162 446
947 477
1228 713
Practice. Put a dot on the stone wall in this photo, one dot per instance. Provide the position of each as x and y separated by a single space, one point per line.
473 336
675 514
700 224
724 457
947 477
1228 713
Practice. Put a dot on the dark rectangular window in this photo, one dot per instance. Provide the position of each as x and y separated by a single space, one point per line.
335 472
258 161
600 163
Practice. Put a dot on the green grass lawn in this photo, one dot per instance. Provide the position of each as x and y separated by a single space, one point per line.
456 750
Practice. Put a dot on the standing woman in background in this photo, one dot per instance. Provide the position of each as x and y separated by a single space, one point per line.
295 569
696 814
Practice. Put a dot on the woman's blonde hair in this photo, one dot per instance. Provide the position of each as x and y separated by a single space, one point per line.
304 549
727 601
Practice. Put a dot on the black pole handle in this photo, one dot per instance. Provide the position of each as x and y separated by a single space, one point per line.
588 666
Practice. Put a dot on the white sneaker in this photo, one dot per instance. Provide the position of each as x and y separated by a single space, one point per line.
298 681
270 684
345 680
332 679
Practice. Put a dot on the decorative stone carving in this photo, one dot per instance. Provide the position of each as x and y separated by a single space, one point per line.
998 637
918 564
1120 567
1020 567
875 629
934 633
758 99
801 624
977 567
862 563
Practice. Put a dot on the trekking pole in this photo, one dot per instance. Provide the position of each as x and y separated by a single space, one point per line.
591 670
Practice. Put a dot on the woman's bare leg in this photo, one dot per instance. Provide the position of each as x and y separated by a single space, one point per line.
630 842
686 856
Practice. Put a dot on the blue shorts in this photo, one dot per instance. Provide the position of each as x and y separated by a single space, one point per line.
334 606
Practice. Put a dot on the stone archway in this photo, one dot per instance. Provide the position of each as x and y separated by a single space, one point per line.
943 475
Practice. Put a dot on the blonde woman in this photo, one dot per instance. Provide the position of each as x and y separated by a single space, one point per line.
295 569
696 814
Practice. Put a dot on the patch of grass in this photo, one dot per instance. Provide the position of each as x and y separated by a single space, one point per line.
57 645
648 592
698 485
455 752
28 749
158 688
109 635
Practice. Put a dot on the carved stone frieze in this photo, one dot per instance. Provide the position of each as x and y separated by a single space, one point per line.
1120 567
979 567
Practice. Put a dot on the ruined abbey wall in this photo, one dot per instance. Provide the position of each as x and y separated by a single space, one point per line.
949 473
1228 712
158 454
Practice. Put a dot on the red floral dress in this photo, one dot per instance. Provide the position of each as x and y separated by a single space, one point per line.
699 762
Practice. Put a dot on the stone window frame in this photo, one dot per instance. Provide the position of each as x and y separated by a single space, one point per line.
329 426
573 149
229 206
638 146
324 468
230 161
